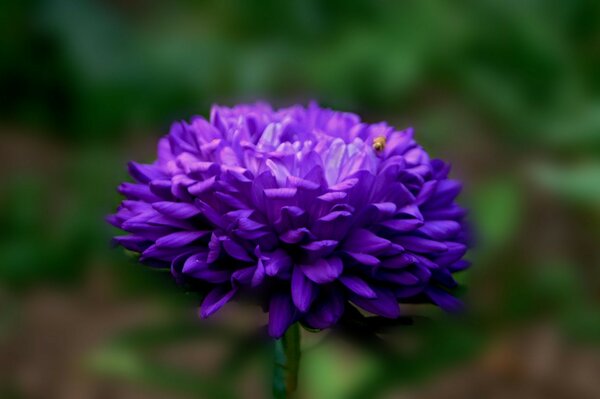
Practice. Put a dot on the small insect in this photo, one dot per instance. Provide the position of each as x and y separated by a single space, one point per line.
379 143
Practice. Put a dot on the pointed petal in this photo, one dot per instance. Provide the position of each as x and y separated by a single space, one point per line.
459 266
358 286
236 251
303 290
402 225
215 300
319 249
401 277
259 274
277 262
327 310
243 276
364 259
384 305
177 210
180 239
195 266
444 300
281 314
440 229
398 261
144 173
454 253
365 241
323 270
295 236
420 245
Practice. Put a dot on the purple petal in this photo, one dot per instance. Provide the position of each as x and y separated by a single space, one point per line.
420 245
402 225
401 278
385 209
365 241
344 185
201 170
425 261
137 191
180 239
459 266
319 249
408 292
214 248
426 192
164 254
445 193
454 253
259 274
451 212
163 220
445 278
295 236
144 173
384 305
202 186
243 276
333 196
396 193
440 229
161 188
422 273
289 217
211 214
332 226
298 182
326 311
195 266
444 300
133 243
236 251
398 261
280 193
277 262
323 270
177 210
364 259
303 290
215 300
249 224
358 286
281 314
412 211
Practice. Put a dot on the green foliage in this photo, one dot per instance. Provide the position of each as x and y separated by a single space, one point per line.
510 90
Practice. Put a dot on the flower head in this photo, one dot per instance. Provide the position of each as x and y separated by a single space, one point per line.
307 209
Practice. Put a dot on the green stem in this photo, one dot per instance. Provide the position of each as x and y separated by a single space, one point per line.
287 362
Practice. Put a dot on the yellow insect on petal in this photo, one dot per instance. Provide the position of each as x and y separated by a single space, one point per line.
379 143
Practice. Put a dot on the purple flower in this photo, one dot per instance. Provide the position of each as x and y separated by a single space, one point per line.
306 209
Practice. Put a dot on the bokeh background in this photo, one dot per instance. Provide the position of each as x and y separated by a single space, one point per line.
508 91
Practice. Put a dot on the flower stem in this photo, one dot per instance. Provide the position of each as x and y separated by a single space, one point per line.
287 362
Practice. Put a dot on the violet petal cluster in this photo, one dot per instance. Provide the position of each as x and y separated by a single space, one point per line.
306 209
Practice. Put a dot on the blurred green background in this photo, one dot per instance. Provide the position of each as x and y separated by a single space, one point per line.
508 91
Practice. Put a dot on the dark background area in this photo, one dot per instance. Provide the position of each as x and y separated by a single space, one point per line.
508 91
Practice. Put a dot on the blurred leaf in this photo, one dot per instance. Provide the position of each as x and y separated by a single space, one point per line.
130 356
496 211
579 183
125 364
325 373
161 335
